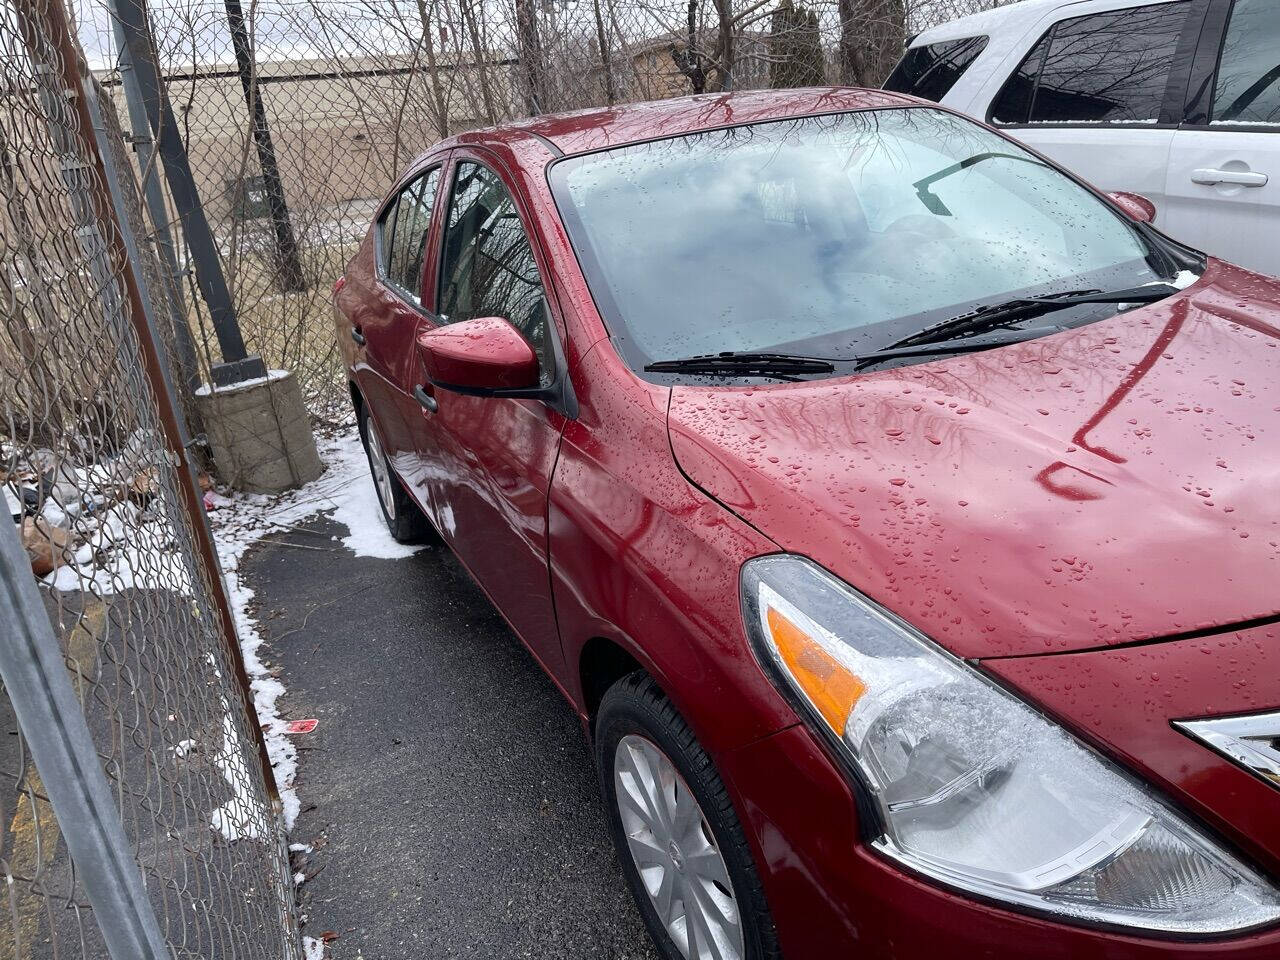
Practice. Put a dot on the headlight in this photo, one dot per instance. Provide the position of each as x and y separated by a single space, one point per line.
975 788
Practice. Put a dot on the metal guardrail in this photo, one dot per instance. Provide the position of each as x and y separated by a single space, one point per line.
38 686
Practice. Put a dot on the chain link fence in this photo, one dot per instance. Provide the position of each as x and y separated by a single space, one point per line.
137 807
298 114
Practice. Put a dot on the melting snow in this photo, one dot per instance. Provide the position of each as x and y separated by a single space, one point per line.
128 547
243 519
205 390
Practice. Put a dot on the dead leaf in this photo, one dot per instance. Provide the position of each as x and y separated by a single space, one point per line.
45 544
145 485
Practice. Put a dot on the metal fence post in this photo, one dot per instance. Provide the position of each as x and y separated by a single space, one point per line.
36 680
237 363
144 146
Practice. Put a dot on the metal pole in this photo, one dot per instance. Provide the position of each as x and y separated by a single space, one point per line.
238 364
288 266
144 147
53 725
74 81
130 243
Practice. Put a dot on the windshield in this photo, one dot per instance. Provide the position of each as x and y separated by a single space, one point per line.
829 235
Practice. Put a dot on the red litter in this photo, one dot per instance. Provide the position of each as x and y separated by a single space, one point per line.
300 726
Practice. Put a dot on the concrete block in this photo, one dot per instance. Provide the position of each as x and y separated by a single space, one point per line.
260 433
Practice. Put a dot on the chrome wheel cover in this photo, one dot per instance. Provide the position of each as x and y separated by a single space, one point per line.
381 471
675 853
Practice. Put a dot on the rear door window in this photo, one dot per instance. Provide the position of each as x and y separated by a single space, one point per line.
931 71
1248 86
1108 67
404 235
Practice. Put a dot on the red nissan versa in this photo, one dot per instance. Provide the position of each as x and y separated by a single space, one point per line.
901 516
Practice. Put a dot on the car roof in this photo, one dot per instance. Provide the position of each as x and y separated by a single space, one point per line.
583 131
985 21
1014 16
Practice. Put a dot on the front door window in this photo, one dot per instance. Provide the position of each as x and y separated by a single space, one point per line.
488 268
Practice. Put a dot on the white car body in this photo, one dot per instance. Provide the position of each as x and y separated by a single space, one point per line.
1210 156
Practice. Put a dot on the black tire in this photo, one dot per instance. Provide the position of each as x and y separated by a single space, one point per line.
403 517
636 706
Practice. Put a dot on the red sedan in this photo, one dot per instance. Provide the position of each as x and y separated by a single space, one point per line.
899 514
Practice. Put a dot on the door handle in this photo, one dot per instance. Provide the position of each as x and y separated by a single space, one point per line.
428 402
357 336
1241 178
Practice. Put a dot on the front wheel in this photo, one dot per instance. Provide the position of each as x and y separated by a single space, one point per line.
682 848
405 521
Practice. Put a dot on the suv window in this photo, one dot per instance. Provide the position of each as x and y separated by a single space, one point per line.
487 267
1248 87
404 234
1106 68
930 71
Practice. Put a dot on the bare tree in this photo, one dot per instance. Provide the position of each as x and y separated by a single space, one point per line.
606 64
795 47
872 36
439 98
532 65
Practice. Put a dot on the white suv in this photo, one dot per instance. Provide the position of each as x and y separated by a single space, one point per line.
1179 102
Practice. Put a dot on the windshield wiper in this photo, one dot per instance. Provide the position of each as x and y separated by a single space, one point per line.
1001 314
982 341
955 335
779 365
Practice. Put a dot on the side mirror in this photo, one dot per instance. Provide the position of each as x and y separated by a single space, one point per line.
1137 206
486 356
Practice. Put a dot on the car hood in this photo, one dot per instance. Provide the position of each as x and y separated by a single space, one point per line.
1114 483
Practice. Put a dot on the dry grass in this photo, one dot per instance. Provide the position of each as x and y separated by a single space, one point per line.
290 330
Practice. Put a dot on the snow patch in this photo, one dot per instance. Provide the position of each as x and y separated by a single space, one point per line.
132 547
205 389
241 816
368 535
1182 280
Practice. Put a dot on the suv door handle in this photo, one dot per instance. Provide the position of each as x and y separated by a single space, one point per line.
428 402
357 336
1242 178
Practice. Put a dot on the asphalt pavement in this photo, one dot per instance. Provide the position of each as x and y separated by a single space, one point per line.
447 789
